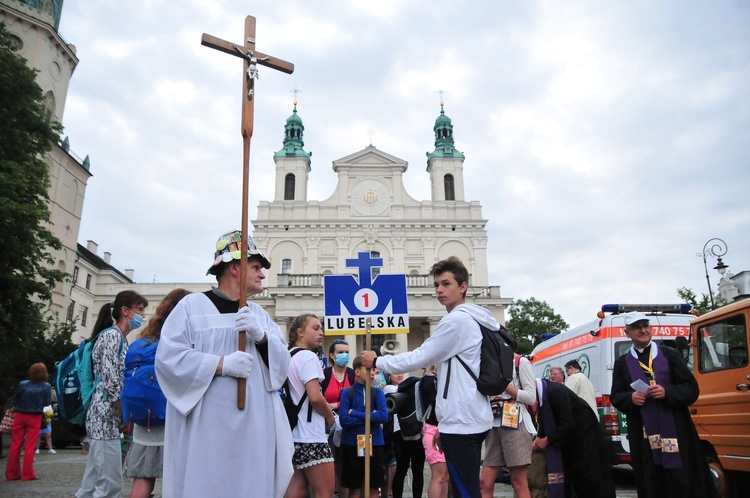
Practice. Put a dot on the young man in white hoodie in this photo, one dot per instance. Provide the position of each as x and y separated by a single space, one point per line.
464 414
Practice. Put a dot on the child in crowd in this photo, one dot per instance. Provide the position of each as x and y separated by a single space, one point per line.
352 418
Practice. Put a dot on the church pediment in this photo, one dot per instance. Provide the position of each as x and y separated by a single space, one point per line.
370 157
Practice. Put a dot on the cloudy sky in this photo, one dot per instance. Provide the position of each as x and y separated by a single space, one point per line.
607 141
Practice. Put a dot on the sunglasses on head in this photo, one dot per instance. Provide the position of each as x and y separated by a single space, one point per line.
340 341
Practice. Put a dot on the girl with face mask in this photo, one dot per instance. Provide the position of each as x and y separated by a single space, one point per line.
104 417
337 377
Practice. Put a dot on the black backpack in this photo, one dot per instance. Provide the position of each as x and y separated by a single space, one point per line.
292 409
495 364
410 413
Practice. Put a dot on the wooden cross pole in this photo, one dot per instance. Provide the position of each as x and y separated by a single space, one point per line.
368 409
251 58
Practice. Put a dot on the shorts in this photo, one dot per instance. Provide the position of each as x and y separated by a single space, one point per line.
353 468
144 461
432 455
46 429
309 454
507 447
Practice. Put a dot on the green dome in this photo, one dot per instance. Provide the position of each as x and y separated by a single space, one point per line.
442 120
444 146
293 132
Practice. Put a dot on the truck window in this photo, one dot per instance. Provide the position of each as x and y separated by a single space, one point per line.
723 344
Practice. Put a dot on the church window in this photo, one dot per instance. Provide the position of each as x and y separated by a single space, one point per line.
286 266
375 270
84 315
450 189
88 281
75 274
289 187
71 309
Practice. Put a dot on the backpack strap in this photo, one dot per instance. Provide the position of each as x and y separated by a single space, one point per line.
327 374
293 352
448 375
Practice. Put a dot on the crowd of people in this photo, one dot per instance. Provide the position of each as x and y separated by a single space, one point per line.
227 432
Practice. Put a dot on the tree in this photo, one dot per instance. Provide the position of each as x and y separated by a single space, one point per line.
27 274
702 305
529 319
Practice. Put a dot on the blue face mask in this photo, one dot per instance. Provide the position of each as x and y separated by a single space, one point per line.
135 322
342 359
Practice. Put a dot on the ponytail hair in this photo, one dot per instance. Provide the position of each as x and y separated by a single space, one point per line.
111 312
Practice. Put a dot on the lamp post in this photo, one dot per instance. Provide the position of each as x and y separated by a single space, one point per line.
716 248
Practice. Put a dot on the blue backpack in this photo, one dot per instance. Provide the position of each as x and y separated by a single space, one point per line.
75 382
142 399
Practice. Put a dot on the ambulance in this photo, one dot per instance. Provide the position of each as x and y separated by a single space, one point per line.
597 344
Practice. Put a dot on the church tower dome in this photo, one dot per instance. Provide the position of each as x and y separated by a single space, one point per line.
444 146
445 163
293 137
292 162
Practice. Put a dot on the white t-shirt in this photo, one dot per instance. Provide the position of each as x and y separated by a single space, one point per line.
304 367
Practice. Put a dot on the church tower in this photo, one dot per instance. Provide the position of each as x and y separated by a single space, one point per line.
32 25
445 164
292 162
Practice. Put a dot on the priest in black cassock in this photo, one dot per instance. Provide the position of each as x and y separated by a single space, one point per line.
569 433
653 386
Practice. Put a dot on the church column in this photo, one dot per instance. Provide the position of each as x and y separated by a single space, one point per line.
433 324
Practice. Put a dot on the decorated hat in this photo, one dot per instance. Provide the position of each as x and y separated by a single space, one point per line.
228 248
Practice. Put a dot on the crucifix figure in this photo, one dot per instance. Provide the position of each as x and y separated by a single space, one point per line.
251 59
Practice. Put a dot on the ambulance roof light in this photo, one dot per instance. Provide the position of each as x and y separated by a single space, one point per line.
683 308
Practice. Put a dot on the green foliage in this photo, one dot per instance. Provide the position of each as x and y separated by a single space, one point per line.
702 305
27 273
529 319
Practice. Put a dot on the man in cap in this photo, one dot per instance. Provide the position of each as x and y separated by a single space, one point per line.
653 386
211 448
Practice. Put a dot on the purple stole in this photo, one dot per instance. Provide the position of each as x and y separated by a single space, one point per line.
658 419
555 474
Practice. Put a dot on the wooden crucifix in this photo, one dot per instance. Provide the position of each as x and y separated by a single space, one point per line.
251 59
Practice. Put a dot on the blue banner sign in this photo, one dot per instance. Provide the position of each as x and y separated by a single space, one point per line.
349 302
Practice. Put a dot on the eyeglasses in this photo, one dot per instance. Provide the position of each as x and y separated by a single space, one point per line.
340 341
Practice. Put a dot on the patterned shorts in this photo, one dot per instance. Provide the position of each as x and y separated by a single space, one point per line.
309 454
508 447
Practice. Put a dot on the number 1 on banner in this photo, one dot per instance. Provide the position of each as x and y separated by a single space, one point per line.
365 300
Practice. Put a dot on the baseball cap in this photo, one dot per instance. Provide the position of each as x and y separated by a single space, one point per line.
228 248
635 316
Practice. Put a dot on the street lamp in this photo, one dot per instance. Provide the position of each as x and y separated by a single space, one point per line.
717 250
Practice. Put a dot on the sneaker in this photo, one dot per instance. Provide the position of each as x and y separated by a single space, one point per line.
51 452
37 451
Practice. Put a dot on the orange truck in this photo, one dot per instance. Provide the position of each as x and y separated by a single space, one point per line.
718 353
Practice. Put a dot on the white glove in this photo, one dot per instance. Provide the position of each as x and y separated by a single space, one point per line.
246 321
237 364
